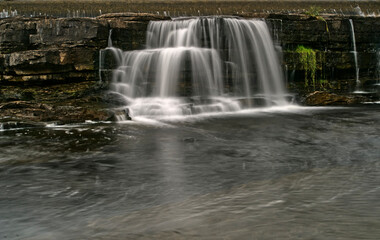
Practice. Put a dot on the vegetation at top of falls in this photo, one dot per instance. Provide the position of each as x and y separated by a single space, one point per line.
308 61
314 12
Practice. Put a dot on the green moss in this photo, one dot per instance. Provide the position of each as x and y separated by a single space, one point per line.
313 63
308 61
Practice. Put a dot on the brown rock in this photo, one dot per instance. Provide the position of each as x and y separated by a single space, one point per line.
15 105
134 16
319 98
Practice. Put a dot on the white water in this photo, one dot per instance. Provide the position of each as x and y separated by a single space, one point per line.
110 38
202 65
355 53
378 66
6 14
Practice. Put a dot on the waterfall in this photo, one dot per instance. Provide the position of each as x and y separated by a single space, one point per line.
5 13
110 38
377 71
355 53
201 65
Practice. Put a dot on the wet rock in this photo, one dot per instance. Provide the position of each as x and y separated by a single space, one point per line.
114 99
12 125
127 114
49 66
319 98
15 105
62 103
11 95
119 115
46 113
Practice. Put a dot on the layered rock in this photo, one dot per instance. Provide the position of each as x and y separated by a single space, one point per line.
49 66
55 61
51 49
329 37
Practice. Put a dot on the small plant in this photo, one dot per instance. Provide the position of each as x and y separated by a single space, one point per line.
314 12
312 61
308 60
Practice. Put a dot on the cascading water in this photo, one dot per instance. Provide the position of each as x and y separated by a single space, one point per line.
6 14
378 67
199 65
355 53
110 38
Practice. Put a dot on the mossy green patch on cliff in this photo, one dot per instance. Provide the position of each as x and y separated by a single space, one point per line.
308 61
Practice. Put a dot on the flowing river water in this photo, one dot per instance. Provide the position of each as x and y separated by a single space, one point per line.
271 173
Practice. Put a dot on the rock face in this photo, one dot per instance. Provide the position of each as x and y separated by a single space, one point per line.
329 37
49 67
67 49
51 49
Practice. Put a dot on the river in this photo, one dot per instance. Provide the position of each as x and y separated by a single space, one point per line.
285 173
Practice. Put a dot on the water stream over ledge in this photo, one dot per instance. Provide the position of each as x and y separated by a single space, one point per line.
198 65
296 173
355 53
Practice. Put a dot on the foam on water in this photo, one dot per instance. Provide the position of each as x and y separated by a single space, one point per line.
361 92
163 120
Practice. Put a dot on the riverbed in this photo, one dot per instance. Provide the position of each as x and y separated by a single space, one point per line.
277 173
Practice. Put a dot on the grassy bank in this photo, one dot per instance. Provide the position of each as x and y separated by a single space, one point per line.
92 8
